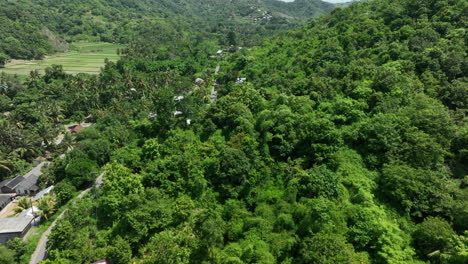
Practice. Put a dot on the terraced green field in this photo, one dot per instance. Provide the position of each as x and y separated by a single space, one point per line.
83 57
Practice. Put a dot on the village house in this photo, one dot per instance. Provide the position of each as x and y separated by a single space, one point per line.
32 212
23 185
75 128
241 80
5 199
78 127
12 227
178 98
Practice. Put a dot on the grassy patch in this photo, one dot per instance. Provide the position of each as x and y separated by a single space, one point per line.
83 57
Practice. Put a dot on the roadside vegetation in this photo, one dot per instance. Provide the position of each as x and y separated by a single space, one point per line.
20 250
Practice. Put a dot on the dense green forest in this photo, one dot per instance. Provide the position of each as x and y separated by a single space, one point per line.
32 29
343 141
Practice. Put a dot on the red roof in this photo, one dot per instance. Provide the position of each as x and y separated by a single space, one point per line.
76 128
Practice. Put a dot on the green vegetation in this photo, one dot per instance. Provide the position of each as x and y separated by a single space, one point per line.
83 57
6 255
343 141
32 29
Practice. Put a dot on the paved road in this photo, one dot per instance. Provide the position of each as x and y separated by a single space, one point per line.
214 93
40 252
36 170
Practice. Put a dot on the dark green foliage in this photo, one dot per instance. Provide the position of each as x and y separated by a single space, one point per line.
80 171
3 59
318 182
233 169
64 191
98 150
120 252
434 234
345 142
420 192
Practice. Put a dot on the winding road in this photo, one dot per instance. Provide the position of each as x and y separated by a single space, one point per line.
40 252
214 93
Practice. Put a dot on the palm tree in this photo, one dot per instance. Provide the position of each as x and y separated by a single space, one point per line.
22 204
47 206
54 111
6 166
46 131
67 141
26 149
9 133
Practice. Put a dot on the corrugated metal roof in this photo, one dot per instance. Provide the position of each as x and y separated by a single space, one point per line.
4 198
29 183
41 194
29 212
3 183
14 182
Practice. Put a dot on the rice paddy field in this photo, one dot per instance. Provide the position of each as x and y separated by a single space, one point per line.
82 57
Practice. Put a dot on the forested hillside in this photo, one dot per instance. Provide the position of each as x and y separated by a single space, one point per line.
344 141
32 29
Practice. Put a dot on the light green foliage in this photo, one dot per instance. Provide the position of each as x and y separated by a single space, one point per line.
150 149
168 247
67 246
128 156
22 204
119 180
141 214
250 250
47 206
7 256
326 248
